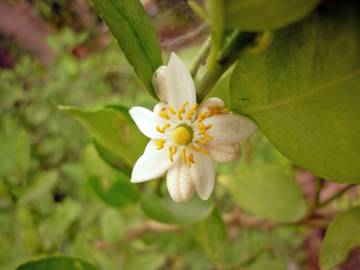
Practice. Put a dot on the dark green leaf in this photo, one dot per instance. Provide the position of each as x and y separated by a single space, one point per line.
132 29
165 210
267 191
304 92
114 130
262 15
57 263
342 235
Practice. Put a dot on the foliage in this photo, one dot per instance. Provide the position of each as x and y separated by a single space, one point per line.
66 197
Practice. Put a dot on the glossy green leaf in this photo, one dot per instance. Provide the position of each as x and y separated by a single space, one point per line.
114 130
304 92
262 15
165 210
268 264
57 263
112 225
267 191
112 186
211 234
134 33
342 235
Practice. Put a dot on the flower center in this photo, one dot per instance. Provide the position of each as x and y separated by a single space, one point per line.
182 135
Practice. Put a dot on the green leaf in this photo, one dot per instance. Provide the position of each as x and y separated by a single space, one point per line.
262 15
211 235
114 130
112 186
112 225
268 264
342 235
116 192
57 263
304 92
134 33
165 210
267 191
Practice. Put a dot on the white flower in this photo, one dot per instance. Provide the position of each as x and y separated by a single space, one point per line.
186 138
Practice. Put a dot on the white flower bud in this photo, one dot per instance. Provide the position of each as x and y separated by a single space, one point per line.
159 82
225 152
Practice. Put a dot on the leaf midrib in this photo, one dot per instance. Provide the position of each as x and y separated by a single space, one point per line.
321 88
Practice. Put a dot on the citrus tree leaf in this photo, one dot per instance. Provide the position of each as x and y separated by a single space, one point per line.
342 235
114 130
267 191
304 92
165 210
135 34
262 15
57 263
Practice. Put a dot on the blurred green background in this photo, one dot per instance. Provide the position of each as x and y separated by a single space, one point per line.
57 196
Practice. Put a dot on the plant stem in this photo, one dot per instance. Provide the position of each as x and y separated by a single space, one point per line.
318 186
200 58
237 43
335 196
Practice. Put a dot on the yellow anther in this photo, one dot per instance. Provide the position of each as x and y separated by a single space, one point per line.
192 111
218 110
182 110
205 139
174 149
199 149
182 135
163 129
172 110
183 155
190 160
164 114
160 144
202 116
203 128
171 153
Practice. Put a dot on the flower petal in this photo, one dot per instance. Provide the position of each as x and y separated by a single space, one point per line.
152 164
180 85
229 128
147 121
160 82
225 152
203 175
179 183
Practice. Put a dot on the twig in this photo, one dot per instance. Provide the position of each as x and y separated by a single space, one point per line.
318 186
200 58
336 196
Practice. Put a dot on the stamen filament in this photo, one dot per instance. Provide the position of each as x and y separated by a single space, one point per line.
172 110
163 129
160 144
183 155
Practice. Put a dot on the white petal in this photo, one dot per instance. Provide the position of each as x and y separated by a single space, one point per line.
147 121
224 152
158 107
180 86
203 175
179 183
152 164
229 128
160 82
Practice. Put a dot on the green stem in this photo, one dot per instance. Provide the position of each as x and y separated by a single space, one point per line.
336 196
200 58
318 186
237 43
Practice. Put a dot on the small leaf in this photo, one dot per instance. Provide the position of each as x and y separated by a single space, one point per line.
263 15
57 263
112 225
165 210
304 94
268 264
342 235
134 33
114 130
267 191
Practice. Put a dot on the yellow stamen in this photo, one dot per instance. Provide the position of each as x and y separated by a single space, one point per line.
182 110
199 149
190 160
164 114
183 155
172 110
192 111
202 116
160 144
163 129
171 153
